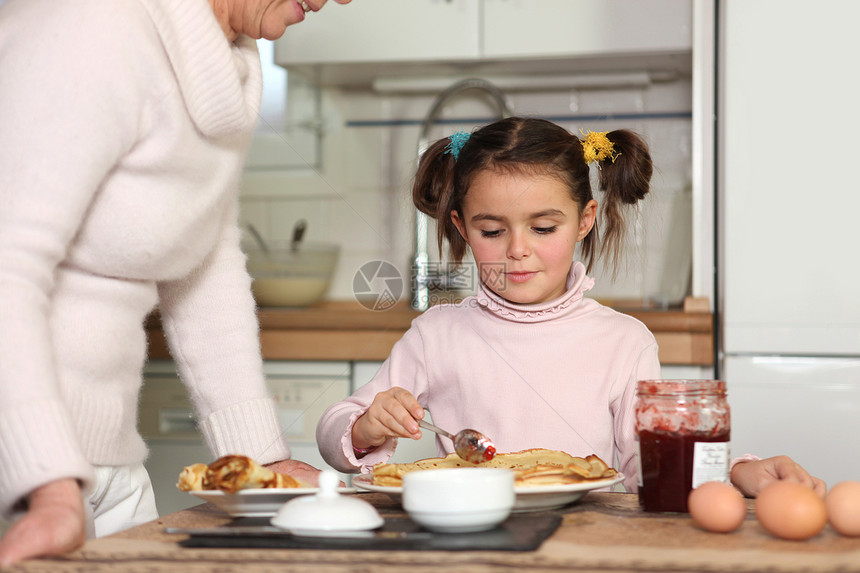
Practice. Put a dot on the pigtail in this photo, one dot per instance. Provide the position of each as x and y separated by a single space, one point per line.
432 192
433 179
624 178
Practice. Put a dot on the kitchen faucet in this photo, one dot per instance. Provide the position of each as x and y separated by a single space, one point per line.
422 277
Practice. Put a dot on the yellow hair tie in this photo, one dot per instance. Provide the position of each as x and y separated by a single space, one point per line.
597 147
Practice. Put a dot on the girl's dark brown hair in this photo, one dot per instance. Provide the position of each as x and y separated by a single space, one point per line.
539 147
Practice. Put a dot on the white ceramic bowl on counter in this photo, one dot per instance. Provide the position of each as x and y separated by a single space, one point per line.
287 277
459 500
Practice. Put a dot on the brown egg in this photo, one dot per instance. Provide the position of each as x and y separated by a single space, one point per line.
790 511
843 508
717 506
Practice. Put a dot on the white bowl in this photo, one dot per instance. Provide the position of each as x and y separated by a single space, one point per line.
292 278
458 500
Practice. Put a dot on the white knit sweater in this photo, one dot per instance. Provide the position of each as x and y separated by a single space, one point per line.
123 128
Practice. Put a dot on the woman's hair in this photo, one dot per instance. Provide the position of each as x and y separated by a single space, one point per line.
542 148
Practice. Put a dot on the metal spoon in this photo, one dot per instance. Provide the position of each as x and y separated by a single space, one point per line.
258 238
470 445
298 234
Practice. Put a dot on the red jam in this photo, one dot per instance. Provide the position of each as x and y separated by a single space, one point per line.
489 453
683 428
474 447
667 468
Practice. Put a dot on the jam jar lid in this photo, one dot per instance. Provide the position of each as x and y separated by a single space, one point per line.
667 387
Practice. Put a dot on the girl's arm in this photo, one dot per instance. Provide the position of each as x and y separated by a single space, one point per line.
403 374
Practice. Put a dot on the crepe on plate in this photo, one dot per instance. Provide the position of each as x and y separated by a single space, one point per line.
533 467
232 473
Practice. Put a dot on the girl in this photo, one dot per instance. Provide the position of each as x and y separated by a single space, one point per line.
528 361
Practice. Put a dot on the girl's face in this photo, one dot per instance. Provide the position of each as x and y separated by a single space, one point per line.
523 231
262 18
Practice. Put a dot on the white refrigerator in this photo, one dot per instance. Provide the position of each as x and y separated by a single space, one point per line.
788 230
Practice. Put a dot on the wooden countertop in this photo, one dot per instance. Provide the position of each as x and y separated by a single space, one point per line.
345 330
603 532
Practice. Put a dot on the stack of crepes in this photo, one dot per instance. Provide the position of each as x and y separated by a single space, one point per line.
231 474
535 467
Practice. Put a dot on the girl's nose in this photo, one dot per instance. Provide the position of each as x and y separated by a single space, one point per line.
518 247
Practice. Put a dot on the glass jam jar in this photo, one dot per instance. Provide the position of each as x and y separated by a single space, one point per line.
683 427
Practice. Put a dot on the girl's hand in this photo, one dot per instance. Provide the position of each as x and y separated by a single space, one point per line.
751 477
392 414
54 524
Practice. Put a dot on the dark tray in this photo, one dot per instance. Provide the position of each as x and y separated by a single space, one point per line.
517 533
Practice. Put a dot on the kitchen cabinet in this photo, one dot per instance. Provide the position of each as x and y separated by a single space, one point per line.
356 43
383 31
550 28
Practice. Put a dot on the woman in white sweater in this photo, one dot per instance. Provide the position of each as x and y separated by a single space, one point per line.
124 129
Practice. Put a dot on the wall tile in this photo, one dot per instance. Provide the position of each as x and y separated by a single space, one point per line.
256 212
361 219
283 215
350 262
287 185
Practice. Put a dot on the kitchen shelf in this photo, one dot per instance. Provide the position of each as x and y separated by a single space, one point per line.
344 330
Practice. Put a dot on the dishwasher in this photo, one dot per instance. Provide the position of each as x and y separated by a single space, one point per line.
302 390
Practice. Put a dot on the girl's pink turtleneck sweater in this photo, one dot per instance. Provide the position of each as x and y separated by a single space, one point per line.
560 375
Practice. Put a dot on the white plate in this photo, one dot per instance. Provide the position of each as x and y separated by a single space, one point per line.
263 502
535 498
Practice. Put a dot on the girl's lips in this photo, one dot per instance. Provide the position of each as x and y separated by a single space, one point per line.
520 276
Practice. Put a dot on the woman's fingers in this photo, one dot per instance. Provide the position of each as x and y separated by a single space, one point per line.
53 525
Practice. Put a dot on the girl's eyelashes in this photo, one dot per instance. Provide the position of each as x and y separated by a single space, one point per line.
489 234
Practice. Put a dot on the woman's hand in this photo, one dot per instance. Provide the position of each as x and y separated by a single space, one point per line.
751 477
300 470
54 524
392 414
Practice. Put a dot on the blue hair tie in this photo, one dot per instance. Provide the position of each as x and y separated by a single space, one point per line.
456 142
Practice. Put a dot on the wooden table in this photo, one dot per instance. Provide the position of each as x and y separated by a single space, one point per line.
604 532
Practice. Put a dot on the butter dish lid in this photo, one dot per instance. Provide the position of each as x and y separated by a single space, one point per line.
327 513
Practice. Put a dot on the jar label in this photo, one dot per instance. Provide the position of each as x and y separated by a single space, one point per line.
710 462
